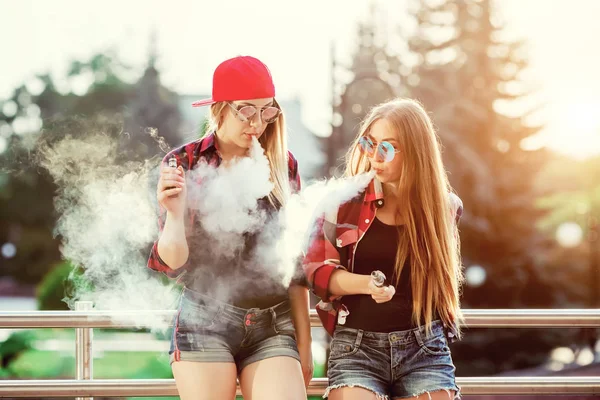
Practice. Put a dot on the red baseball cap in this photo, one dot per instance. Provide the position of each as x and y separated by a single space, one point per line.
240 78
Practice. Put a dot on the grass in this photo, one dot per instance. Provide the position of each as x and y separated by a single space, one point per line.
42 364
35 364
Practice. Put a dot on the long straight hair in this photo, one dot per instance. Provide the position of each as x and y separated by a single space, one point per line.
430 238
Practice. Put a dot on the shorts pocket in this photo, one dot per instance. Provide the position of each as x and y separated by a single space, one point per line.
340 348
284 324
436 345
194 316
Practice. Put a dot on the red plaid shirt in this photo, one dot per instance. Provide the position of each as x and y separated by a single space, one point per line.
334 246
188 156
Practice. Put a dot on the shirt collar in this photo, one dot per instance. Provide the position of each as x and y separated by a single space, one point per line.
374 192
208 142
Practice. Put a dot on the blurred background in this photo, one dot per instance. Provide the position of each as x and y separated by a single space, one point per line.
512 87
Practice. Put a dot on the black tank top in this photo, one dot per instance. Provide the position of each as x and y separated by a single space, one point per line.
377 251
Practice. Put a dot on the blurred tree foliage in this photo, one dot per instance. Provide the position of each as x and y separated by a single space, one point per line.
572 190
11 348
459 64
573 193
467 80
95 95
60 282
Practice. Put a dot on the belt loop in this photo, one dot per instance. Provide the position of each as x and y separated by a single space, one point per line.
418 335
273 319
358 338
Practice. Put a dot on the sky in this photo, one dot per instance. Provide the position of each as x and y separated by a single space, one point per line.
295 40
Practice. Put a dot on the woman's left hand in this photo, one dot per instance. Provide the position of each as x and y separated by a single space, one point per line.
306 361
381 294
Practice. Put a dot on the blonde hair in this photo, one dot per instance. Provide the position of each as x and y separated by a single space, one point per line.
274 141
430 237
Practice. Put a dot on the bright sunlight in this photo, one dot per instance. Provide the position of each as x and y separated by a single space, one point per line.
578 129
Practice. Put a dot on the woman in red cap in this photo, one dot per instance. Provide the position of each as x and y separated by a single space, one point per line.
387 265
236 318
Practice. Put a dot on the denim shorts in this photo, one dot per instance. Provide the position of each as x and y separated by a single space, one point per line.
207 330
393 365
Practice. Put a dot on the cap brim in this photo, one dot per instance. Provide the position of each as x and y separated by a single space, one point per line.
204 102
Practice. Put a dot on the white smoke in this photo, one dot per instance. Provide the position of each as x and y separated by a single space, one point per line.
226 197
106 222
108 219
297 220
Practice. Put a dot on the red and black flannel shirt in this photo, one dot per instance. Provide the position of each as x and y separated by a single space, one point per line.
334 245
188 156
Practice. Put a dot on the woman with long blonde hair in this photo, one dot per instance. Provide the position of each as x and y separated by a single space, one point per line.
237 318
387 265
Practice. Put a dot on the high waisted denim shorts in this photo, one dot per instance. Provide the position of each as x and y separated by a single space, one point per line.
207 330
393 365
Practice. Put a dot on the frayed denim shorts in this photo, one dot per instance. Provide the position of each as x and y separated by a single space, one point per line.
393 365
207 330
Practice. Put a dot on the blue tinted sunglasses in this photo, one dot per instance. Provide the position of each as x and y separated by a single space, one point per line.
383 151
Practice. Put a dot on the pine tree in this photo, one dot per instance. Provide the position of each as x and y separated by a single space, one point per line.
153 113
27 119
465 72
374 78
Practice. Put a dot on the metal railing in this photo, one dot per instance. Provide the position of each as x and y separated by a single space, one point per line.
84 386
474 318
166 387
84 359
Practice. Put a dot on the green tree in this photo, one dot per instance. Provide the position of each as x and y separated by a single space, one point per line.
373 77
26 213
467 75
462 79
30 118
152 114
574 197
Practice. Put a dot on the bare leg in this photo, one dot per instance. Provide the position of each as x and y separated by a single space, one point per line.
273 378
352 393
205 381
437 395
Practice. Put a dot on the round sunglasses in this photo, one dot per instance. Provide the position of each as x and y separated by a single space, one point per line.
245 113
383 151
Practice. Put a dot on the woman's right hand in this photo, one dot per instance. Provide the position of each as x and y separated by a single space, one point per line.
171 189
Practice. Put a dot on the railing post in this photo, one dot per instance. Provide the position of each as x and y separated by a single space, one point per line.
83 348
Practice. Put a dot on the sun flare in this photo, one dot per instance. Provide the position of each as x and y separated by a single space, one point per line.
578 130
